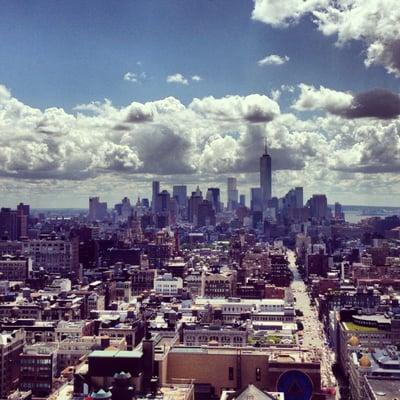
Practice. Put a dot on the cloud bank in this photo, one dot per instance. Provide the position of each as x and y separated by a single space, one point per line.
375 103
357 138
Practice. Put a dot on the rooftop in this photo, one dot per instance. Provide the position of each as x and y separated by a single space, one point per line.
116 354
351 326
385 389
274 354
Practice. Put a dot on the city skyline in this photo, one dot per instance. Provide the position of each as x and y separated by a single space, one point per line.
199 199
103 100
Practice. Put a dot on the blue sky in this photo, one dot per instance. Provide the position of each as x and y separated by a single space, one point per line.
65 53
328 127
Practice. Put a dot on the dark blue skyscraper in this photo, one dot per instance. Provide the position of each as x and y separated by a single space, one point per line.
265 178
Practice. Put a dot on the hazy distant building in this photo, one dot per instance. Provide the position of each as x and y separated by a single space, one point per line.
339 215
256 199
292 202
242 200
23 211
205 214
162 202
233 193
299 196
8 223
194 203
155 192
265 178
318 205
145 203
179 192
213 195
97 209
126 208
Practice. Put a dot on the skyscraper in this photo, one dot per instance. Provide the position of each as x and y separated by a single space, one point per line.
256 201
299 196
155 192
205 214
162 202
179 192
194 203
318 206
97 209
8 223
214 198
265 177
233 193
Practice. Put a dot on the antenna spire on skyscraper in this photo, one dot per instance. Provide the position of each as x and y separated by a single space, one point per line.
265 145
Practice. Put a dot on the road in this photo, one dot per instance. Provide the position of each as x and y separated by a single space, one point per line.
313 334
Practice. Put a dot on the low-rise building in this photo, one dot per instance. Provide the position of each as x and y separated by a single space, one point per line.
11 345
216 285
379 363
15 268
38 368
168 285
197 335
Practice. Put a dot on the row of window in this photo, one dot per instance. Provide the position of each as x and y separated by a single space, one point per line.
38 361
38 385
223 339
231 374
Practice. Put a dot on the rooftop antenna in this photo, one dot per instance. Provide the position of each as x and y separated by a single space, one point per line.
265 145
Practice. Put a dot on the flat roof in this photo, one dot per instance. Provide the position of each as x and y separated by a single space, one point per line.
250 302
385 389
274 354
351 326
116 354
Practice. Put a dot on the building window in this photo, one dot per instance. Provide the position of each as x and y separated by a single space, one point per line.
258 374
230 373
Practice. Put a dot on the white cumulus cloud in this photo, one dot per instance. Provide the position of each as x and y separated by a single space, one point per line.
177 78
323 98
273 59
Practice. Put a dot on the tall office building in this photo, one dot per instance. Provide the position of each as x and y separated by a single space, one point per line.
242 200
97 209
162 202
256 200
318 206
205 214
23 211
293 199
299 196
8 223
194 203
265 178
126 208
155 192
213 196
179 192
339 211
233 193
